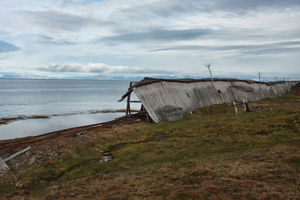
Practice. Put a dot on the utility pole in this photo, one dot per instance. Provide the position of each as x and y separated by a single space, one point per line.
275 79
259 80
212 80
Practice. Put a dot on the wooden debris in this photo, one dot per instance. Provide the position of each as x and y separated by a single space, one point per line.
170 113
246 107
76 134
18 153
234 104
3 167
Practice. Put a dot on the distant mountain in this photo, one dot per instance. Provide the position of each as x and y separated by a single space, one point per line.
104 77
97 77
22 76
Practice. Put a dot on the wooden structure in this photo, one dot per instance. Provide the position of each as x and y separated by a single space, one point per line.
193 94
128 111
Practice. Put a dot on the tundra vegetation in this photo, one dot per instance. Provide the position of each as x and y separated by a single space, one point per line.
212 153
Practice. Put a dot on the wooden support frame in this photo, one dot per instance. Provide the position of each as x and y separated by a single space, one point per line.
128 110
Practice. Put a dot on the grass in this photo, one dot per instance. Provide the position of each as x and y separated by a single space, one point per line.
211 154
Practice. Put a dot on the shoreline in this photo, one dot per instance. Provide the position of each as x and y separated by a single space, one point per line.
7 120
37 125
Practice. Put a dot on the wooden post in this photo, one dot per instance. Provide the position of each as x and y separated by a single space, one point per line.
236 112
212 80
128 101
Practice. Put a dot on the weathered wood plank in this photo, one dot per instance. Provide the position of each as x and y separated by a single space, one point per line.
3 166
16 154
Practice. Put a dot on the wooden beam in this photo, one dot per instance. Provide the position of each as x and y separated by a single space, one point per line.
3 166
16 154
128 101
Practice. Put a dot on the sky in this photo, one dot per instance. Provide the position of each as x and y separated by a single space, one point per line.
66 38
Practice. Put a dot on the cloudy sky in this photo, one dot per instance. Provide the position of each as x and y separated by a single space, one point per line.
62 38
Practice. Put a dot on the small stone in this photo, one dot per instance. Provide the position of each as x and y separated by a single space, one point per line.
18 184
32 160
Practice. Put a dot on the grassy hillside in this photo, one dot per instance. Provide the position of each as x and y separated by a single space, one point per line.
209 154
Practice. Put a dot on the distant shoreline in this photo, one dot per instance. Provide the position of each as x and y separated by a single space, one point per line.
7 120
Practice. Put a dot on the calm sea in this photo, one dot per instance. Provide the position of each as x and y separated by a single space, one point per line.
33 107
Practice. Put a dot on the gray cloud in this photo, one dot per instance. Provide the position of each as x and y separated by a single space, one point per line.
237 5
8 47
158 35
279 47
55 20
74 67
179 7
46 40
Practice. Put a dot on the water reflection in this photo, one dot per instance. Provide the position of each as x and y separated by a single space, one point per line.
33 127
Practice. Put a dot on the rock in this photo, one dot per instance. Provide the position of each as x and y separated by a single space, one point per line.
105 158
32 160
160 138
18 184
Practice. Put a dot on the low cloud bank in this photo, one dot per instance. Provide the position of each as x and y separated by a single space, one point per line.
102 68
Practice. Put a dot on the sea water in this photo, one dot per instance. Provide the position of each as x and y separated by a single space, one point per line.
32 107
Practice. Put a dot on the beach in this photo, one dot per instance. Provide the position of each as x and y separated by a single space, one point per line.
33 107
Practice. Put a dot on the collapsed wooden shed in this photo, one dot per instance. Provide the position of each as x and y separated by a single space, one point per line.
193 94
